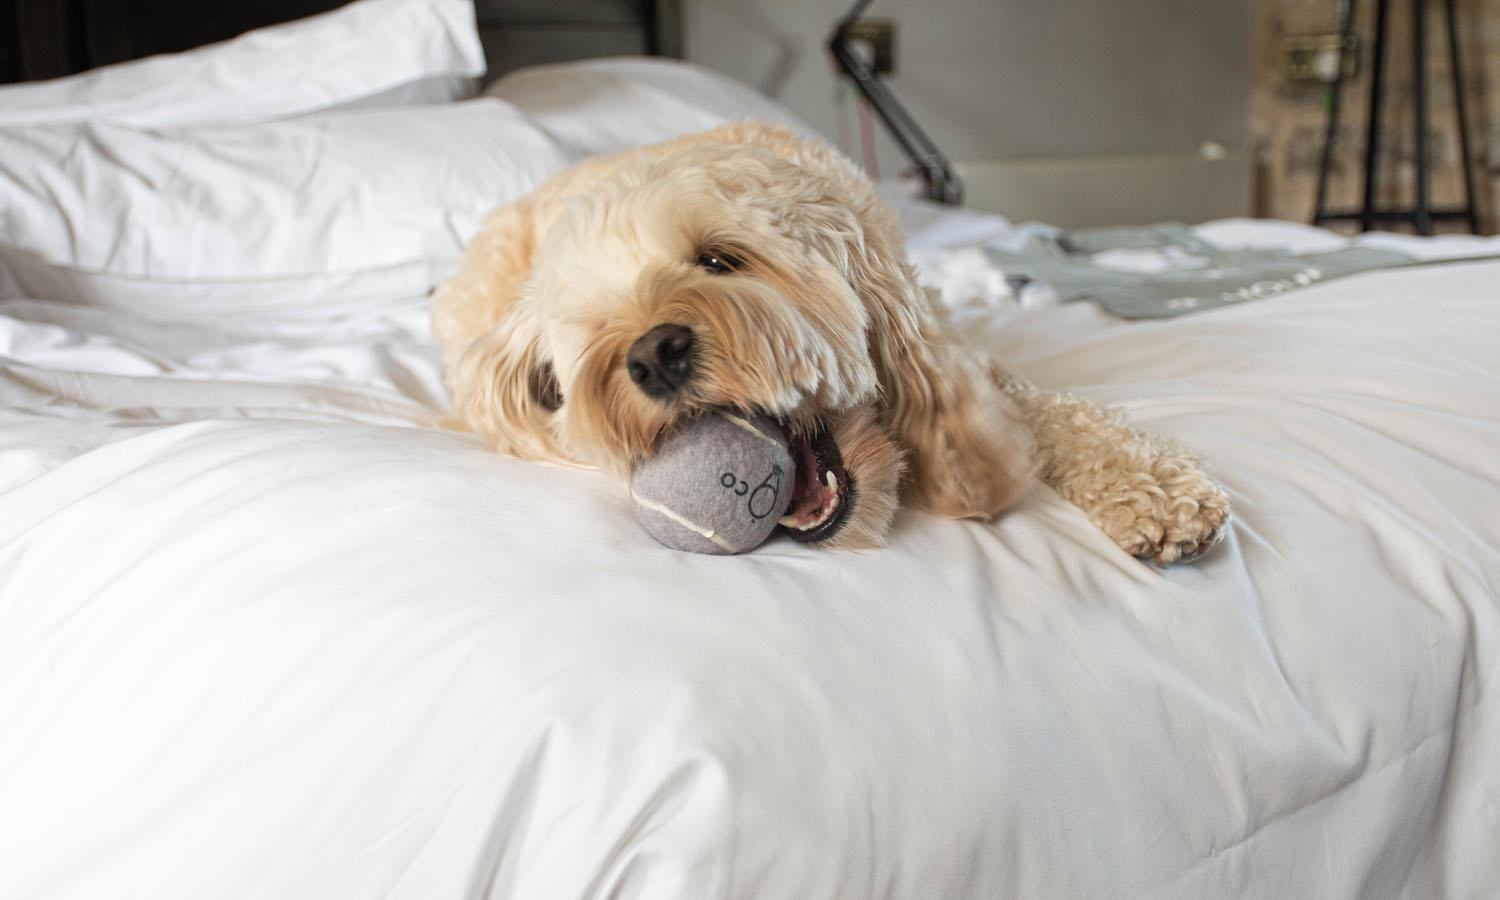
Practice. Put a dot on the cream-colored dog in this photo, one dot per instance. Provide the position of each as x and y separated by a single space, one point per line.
747 267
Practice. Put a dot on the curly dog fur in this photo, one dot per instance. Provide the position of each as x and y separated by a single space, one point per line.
790 275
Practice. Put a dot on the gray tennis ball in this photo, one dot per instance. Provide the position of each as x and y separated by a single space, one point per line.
718 484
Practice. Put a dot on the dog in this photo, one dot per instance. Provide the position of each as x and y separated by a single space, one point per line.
748 267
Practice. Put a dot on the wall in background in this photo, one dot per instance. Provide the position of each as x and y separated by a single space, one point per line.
1288 117
1009 79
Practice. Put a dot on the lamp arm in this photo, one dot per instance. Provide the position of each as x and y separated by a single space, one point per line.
943 184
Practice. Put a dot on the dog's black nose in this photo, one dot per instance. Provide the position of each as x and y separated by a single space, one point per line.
661 361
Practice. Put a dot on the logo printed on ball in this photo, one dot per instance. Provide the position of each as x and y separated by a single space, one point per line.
762 498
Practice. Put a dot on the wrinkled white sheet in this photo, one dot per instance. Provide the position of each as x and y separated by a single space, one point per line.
264 631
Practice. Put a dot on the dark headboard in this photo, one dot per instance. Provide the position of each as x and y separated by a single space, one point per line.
58 37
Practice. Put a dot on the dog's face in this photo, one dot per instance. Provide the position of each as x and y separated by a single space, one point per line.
719 276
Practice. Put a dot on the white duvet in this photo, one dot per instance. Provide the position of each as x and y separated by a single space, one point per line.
266 631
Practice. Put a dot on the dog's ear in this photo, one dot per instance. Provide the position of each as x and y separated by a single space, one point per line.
503 387
494 266
969 453
499 372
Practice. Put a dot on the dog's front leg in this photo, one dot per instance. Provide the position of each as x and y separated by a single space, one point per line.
1148 495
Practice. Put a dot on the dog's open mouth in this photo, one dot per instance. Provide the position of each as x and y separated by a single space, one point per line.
823 495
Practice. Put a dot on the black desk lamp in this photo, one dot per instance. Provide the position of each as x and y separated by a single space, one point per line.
943 184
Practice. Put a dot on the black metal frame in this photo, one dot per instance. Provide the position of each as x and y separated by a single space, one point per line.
1422 215
943 184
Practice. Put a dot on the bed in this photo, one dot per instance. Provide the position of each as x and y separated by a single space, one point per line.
267 630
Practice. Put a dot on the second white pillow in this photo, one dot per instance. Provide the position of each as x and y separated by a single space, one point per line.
602 106
223 215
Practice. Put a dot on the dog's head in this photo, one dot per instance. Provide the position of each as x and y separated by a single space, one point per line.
743 268
717 275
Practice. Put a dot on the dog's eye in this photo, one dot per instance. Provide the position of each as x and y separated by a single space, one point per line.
544 388
718 262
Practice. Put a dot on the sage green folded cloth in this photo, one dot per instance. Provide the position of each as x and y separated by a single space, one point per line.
1157 271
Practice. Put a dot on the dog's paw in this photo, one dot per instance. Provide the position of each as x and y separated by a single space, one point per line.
1172 519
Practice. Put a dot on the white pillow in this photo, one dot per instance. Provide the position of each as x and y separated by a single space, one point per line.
608 105
346 203
369 52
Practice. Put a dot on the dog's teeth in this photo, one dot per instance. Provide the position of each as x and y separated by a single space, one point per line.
790 519
833 507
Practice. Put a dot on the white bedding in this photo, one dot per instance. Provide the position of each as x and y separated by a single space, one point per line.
264 631
267 631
